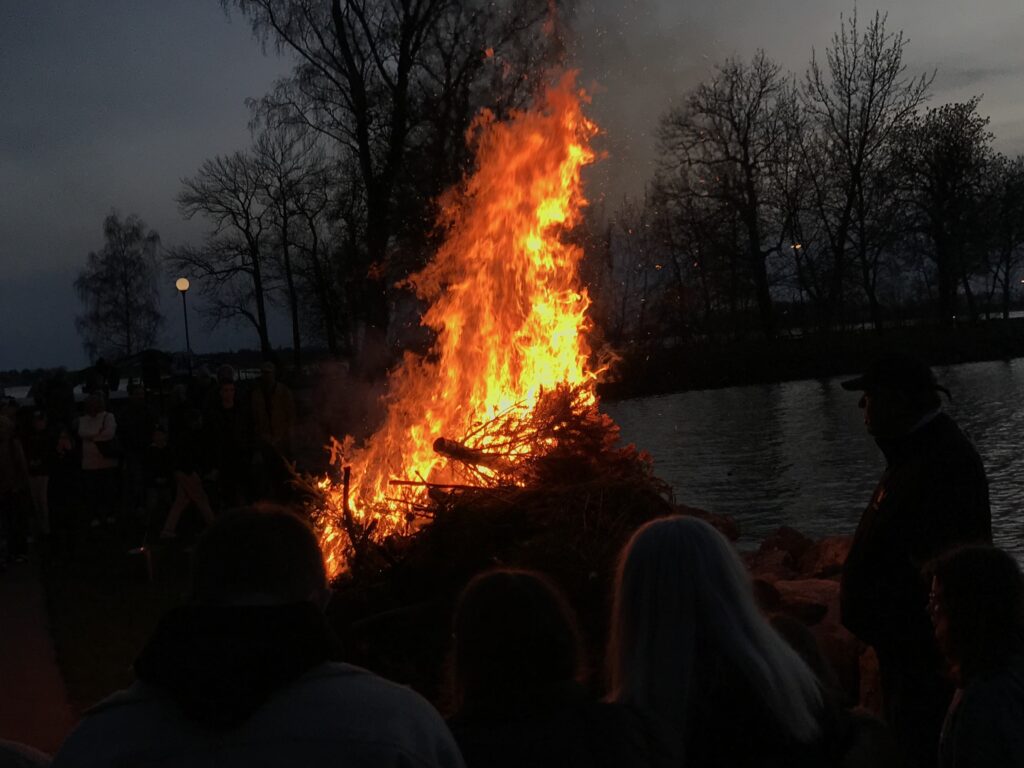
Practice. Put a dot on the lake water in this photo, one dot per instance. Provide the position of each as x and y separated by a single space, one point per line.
797 454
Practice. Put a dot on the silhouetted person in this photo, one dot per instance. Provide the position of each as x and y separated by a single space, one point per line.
41 453
60 400
273 416
135 429
243 675
16 755
63 493
932 496
189 455
977 609
99 471
689 646
229 432
517 683
14 485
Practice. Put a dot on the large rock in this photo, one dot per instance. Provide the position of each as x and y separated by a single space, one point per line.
724 524
816 603
767 596
870 698
843 652
824 559
770 565
786 539
810 597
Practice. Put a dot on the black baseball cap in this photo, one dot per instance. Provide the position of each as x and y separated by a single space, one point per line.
903 373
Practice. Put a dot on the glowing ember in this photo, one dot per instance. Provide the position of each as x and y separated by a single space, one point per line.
508 310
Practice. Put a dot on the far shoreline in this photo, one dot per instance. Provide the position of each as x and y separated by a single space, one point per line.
657 370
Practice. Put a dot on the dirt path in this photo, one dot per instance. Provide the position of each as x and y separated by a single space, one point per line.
34 706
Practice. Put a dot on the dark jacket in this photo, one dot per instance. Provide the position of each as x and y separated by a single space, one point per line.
932 496
40 451
985 724
229 434
251 686
731 727
564 728
190 449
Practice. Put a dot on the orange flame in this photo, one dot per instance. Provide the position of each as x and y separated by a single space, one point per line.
506 305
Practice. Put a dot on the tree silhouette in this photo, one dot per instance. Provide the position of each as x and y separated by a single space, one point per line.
725 144
233 261
946 156
119 290
856 105
393 87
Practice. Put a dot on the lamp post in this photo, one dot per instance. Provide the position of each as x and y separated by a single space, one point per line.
182 285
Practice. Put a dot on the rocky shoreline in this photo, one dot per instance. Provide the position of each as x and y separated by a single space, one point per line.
796 576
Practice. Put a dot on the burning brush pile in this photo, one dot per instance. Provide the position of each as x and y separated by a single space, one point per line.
493 450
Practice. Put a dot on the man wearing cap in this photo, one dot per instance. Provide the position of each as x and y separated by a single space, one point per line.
932 496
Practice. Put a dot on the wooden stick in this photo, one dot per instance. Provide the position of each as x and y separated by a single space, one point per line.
440 486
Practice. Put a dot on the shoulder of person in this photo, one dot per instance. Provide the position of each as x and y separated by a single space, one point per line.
118 724
341 679
16 755
995 693
342 703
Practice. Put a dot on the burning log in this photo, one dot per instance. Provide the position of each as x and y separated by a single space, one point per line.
453 449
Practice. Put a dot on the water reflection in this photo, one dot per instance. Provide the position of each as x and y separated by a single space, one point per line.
796 453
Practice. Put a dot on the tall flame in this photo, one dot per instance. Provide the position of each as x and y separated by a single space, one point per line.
505 303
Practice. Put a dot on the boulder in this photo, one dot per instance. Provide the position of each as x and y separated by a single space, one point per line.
770 565
810 600
824 559
843 652
786 539
724 524
870 698
767 597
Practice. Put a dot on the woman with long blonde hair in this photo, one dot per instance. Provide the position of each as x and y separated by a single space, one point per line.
689 646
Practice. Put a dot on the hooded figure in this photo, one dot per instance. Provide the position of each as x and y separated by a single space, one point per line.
244 674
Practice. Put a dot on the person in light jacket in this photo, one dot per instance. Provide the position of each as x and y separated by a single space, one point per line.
99 471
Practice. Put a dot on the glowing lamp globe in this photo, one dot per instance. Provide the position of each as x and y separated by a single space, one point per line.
181 284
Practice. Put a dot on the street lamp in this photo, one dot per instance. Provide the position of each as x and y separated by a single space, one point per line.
182 285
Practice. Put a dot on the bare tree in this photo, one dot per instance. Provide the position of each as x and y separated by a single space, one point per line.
233 262
728 139
290 165
857 104
119 290
945 156
329 221
394 85
1004 215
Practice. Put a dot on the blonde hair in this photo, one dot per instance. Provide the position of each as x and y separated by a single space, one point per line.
683 602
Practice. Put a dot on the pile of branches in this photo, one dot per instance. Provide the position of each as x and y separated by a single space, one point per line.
552 491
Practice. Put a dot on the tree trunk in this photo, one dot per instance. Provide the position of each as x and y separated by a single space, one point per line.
947 291
1006 293
266 351
293 298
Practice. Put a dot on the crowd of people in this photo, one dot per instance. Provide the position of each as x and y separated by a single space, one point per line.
248 672
134 466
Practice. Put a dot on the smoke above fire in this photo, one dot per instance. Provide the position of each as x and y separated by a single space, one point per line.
508 312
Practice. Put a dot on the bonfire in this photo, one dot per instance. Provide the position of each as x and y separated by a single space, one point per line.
506 398
493 450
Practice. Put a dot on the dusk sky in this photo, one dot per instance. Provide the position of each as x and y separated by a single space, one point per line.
108 105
